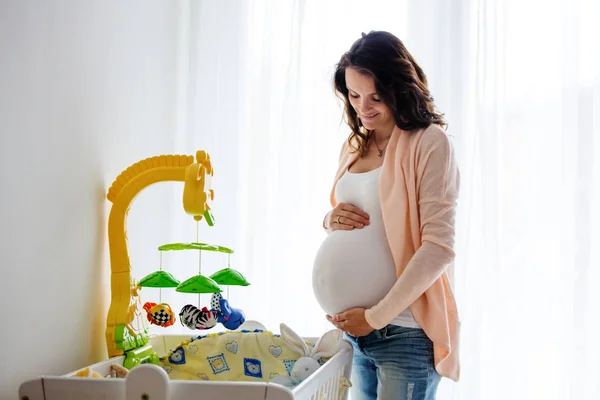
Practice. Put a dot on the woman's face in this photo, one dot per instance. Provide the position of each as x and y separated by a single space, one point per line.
373 113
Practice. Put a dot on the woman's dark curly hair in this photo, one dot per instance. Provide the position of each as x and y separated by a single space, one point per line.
399 80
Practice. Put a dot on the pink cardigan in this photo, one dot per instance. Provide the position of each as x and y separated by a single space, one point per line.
418 188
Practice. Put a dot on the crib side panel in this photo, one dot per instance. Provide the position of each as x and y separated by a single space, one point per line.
61 388
194 390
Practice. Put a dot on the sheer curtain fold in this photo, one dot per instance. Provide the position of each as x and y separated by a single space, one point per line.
519 84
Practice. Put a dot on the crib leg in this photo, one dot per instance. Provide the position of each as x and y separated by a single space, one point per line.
147 382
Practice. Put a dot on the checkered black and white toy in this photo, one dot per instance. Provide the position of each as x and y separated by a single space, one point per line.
161 317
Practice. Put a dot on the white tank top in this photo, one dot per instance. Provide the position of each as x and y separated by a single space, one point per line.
355 268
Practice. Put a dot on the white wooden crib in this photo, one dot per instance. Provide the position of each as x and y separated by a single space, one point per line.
151 382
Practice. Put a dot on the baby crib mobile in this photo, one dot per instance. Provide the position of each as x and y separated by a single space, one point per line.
127 329
191 316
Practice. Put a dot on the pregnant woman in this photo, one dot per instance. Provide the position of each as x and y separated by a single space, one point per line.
381 274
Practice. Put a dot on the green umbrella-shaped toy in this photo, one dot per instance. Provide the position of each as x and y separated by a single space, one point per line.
229 276
159 279
199 284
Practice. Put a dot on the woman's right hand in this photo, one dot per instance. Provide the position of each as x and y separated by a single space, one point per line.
346 217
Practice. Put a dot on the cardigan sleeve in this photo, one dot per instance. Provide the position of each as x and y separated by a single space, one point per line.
438 182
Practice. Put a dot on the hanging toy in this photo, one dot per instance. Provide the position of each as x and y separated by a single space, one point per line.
159 314
230 317
194 318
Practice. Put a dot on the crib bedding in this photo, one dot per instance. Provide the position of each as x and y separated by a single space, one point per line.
249 356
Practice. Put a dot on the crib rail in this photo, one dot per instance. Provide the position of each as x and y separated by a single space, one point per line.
150 382
147 382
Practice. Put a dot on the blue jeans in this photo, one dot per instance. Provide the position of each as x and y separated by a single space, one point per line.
393 363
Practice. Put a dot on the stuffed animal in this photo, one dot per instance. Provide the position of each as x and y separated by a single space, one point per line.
326 347
195 318
230 317
159 314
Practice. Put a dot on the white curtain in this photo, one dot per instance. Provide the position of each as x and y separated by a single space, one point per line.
519 84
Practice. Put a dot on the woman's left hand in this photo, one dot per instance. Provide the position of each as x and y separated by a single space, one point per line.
353 322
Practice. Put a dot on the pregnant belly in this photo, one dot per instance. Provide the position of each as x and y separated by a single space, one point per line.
353 269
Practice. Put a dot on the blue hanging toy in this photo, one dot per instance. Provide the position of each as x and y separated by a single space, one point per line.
230 317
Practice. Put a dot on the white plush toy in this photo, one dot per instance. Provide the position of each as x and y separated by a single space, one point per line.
327 346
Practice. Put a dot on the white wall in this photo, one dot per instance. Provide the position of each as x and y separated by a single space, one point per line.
86 89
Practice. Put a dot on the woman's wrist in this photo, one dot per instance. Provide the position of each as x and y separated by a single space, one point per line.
370 318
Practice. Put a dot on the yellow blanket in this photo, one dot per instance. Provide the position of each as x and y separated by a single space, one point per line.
231 356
